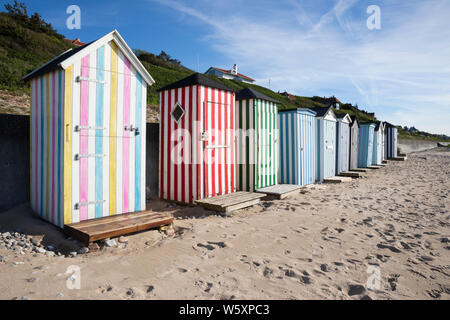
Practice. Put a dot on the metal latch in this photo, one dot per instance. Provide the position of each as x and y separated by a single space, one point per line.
79 128
131 129
93 155
78 205
204 136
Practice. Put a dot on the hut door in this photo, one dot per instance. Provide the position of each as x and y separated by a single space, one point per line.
107 147
218 145
330 148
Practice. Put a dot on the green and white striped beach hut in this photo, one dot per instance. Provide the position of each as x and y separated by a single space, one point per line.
257 147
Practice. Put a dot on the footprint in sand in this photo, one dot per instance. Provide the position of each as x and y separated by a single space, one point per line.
393 281
204 286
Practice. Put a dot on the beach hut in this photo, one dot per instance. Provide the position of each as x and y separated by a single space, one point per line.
377 155
298 155
343 143
325 143
256 140
197 139
391 141
354 143
88 121
365 149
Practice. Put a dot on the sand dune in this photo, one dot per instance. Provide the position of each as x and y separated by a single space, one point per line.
384 236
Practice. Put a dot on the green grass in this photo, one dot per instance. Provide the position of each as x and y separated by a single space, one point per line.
22 50
403 134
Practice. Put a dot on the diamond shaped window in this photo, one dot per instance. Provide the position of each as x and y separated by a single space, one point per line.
177 112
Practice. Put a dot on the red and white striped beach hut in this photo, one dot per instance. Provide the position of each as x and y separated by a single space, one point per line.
197 140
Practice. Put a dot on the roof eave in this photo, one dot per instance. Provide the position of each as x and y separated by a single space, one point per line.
117 38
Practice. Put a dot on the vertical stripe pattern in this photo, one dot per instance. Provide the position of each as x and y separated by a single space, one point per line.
190 167
257 144
88 139
365 149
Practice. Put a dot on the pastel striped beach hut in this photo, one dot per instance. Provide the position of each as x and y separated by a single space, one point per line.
326 143
365 150
391 141
256 140
88 120
298 153
197 140
377 155
354 143
342 143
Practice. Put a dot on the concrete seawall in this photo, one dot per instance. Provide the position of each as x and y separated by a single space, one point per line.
408 146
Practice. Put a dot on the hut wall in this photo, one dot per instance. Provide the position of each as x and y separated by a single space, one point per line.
46 147
354 144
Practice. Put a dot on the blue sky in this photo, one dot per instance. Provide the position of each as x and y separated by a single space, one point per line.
307 47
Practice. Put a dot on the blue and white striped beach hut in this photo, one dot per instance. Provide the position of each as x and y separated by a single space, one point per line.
377 155
343 143
297 146
391 140
365 150
326 143
354 143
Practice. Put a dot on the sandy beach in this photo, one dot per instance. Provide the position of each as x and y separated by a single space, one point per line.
383 236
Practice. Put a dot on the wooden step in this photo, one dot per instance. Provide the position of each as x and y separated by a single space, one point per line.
351 174
337 179
280 191
359 170
374 167
398 158
230 202
117 225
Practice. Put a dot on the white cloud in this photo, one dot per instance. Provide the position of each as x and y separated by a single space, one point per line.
401 72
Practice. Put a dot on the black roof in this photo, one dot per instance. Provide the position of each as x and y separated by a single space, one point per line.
378 124
388 125
249 93
196 78
341 115
53 64
321 111
354 119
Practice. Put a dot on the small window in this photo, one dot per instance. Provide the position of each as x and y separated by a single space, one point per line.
177 112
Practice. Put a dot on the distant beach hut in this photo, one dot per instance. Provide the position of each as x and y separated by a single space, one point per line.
377 155
354 143
326 143
365 150
257 144
391 140
343 143
197 140
298 153
88 128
